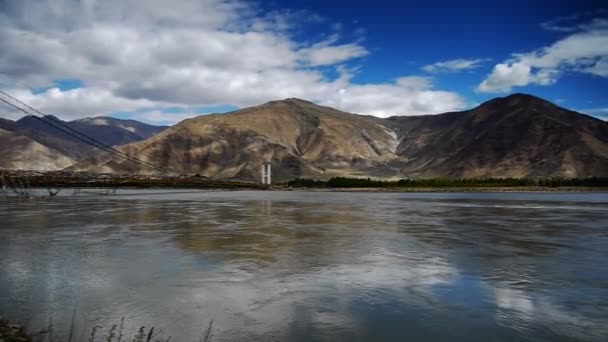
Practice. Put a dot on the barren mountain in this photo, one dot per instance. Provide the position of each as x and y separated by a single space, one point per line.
115 131
516 136
7 125
299 137
110 131
32 143
21 152
519 136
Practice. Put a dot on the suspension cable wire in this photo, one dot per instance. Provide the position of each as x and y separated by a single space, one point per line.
111 151
66 129
82 135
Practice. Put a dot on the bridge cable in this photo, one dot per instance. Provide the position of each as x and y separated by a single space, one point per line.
81 136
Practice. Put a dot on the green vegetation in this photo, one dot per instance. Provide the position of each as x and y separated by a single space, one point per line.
344 182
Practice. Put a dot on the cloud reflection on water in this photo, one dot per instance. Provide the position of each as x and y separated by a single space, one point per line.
349 267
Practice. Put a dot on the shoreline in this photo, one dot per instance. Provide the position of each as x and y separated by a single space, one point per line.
214 187
62 180
457 189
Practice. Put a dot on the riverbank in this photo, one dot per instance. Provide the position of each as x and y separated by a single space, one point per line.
12 332
67 179
456 189
64 179
555 184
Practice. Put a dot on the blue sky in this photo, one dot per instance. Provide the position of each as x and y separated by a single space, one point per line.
160 62
404 38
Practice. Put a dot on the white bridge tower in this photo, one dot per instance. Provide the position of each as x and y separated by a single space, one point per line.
266 173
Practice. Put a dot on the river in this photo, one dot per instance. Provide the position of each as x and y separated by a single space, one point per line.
309 266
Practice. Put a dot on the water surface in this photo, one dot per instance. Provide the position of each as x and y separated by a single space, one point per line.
311 266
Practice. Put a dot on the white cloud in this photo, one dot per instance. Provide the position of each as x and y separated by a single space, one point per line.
160 117
517 308
329 55
585 51
561 24
76 103
574 23
136 53
517 74
455 65
600 68
422 100
598 112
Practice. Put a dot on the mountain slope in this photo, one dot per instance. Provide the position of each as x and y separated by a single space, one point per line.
515 136
7 125
299 137
22 153
110 131
115 131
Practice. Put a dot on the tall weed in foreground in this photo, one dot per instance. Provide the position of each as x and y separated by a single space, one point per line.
10 332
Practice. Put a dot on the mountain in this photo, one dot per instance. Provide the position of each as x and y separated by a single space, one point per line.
301 139
7 125
21 152
33 142
115 131
110 131
515 136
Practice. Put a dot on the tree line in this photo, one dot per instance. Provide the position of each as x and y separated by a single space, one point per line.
346 182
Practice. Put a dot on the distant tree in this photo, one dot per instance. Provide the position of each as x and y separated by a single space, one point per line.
346 182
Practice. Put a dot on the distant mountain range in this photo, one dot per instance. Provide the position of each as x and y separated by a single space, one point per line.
515 136
30 143
19 151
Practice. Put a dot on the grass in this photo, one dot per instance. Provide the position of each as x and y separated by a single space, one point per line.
12 332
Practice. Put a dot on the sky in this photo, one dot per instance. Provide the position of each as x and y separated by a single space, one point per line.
161 61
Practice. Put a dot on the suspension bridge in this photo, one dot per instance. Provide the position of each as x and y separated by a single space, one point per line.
20 183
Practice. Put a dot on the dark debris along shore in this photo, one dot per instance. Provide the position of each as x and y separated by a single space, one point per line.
67 179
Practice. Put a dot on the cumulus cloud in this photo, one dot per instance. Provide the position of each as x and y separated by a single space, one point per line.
327 53
454 65
160 117
585 51
600 68
601 112
136 53
422 99
89 100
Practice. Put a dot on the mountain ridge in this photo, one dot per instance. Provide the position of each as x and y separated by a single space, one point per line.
33 143
515 136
